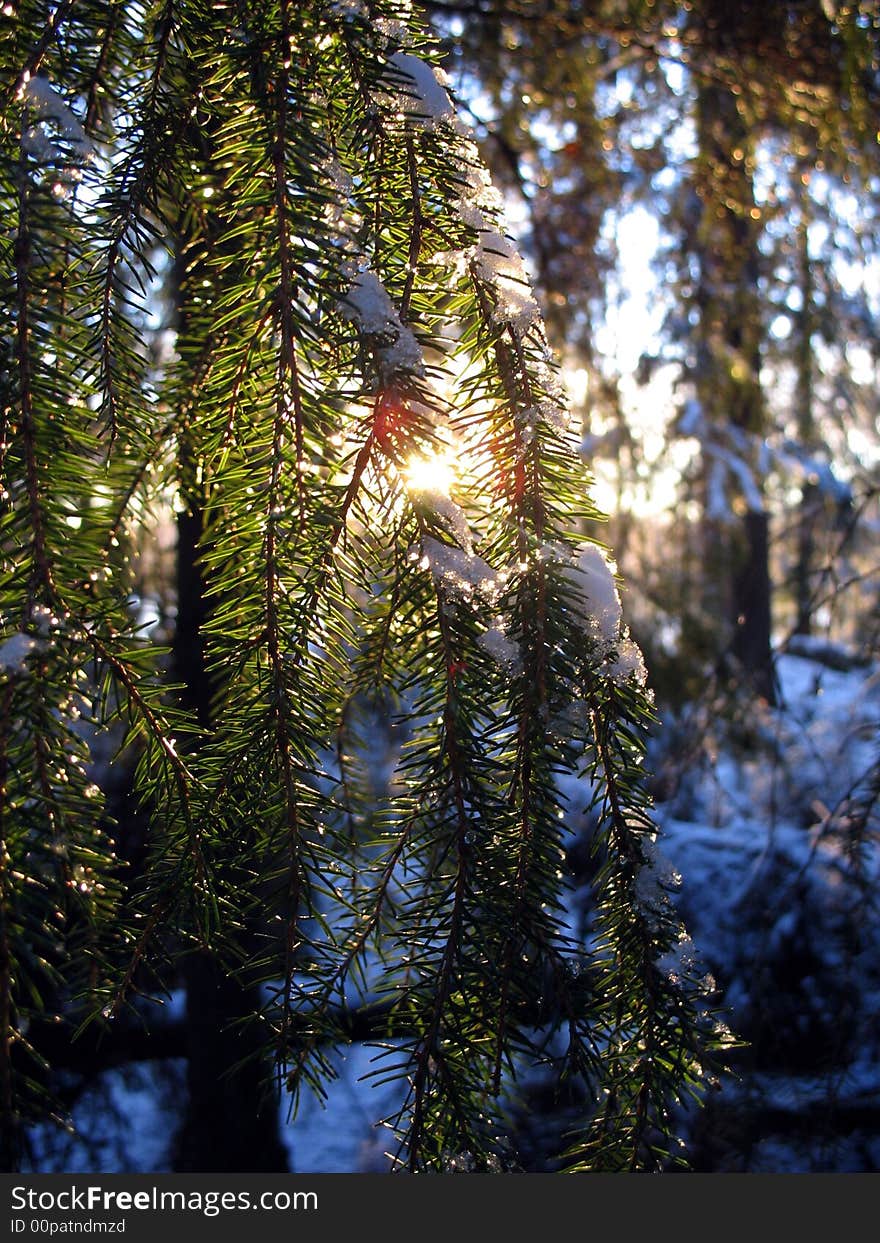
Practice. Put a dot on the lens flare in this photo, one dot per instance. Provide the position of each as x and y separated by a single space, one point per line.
433 473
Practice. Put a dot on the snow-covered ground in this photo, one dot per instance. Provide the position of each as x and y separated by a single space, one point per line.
763 817
779 892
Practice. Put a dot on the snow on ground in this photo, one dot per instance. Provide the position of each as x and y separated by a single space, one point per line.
779 893
127 1119
343 1136
123 1122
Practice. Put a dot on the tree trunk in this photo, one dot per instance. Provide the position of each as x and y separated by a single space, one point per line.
751 593
810 500
727 379
231 1121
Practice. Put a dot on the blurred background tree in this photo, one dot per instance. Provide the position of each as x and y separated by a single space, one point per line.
694 186
742 141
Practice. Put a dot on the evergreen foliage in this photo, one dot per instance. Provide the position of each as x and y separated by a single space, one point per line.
254 273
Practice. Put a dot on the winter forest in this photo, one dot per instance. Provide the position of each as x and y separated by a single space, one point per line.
439 671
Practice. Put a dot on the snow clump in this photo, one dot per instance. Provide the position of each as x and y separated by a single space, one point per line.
498 644
459 571
654 880
495 257
15 651
368 305
450 515
54 133
424 99
591 577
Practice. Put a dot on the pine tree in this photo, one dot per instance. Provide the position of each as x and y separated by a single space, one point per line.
254 273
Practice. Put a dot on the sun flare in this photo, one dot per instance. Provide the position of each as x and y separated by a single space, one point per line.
433 473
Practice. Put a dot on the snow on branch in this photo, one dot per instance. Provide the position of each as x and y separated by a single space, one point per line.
368 305
420 91
54 133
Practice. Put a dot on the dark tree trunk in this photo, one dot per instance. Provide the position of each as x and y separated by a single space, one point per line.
192 613
736 578
808 515
231 1122
810 499
751 596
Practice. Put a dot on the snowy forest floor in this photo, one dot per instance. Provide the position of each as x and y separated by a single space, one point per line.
776 839
768 820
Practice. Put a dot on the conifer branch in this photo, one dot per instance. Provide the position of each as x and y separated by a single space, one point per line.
303 168
42 569
58 16
97 82
7 889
